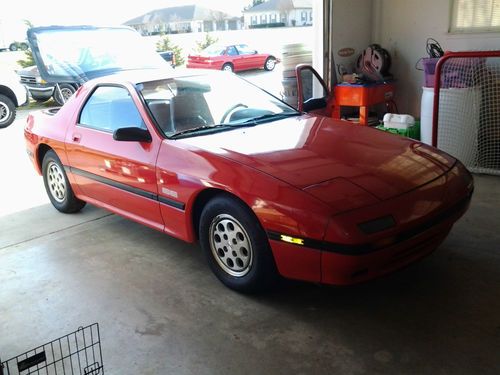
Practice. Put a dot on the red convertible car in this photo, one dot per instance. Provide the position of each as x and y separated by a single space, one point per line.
232 58
265 189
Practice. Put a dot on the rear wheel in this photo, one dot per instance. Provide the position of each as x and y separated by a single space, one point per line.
13 47
57 185
227 67
7 111
270 63
236 246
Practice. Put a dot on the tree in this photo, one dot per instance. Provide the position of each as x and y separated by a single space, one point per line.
165 44
208 41
254 3
28 55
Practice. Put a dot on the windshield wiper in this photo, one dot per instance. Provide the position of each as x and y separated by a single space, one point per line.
198 128
268 117
249 122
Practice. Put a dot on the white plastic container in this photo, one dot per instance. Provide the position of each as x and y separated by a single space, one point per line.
396 121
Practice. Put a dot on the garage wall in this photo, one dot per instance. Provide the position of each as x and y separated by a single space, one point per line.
403 26
352 28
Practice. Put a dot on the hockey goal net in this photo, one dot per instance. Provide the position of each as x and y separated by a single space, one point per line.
466 115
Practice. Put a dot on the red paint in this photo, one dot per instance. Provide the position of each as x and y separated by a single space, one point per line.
309 176
239 62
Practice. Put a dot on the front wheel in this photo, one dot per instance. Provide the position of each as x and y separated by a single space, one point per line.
67 90
7 111
57 185
236 246
270 63
227 67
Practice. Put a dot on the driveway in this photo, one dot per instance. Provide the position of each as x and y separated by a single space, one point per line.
21 187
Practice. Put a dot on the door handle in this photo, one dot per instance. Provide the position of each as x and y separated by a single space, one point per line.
77 138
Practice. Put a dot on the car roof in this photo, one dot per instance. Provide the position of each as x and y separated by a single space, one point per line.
147 75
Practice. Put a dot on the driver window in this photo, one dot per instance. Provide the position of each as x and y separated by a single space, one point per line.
110 108
231 51
311 86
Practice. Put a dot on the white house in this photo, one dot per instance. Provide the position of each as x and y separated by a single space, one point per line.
288 12
181 19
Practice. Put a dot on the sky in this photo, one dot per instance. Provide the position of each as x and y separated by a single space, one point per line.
101 12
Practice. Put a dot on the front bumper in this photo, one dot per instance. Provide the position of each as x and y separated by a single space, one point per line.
423 219
41 92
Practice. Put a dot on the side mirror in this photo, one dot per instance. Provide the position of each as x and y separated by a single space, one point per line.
255 52
132 134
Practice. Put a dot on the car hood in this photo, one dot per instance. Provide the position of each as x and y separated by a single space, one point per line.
310 151
79 53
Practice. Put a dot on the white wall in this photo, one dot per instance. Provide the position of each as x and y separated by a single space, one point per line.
352 28
403 26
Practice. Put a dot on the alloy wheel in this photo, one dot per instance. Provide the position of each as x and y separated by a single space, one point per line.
4 112
231 245
56 182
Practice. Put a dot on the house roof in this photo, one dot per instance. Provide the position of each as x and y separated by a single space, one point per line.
184 13
280 5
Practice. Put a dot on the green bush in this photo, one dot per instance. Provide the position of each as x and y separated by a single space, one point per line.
208 41
28 59
165 44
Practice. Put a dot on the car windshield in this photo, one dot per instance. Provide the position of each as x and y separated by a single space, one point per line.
90 52
194 105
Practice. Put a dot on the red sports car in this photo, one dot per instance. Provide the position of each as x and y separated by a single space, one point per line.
232 58
266 190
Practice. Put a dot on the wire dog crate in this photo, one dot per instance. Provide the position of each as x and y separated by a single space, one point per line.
76 353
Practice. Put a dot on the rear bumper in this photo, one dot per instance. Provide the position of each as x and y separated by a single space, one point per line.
194 65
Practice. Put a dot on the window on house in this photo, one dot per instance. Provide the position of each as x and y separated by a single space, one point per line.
470 16
254 20
303 16
263 18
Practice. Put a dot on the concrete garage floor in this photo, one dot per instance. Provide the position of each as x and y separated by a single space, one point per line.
161 311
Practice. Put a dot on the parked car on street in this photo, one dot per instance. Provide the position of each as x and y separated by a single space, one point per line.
42 91
266 189
232 58
12 95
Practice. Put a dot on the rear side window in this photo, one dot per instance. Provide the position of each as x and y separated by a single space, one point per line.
243 49
110 108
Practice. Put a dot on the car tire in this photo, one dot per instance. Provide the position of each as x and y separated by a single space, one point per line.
7 111
270 63
66 89
57 185
236 246
13 47
24 46
228 67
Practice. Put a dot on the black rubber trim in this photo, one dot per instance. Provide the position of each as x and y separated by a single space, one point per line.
371 247
127 188
170 202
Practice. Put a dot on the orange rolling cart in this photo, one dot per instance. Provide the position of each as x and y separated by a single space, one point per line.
362 96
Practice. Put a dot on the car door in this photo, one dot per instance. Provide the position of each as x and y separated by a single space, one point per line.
312 92
248 58
120 175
